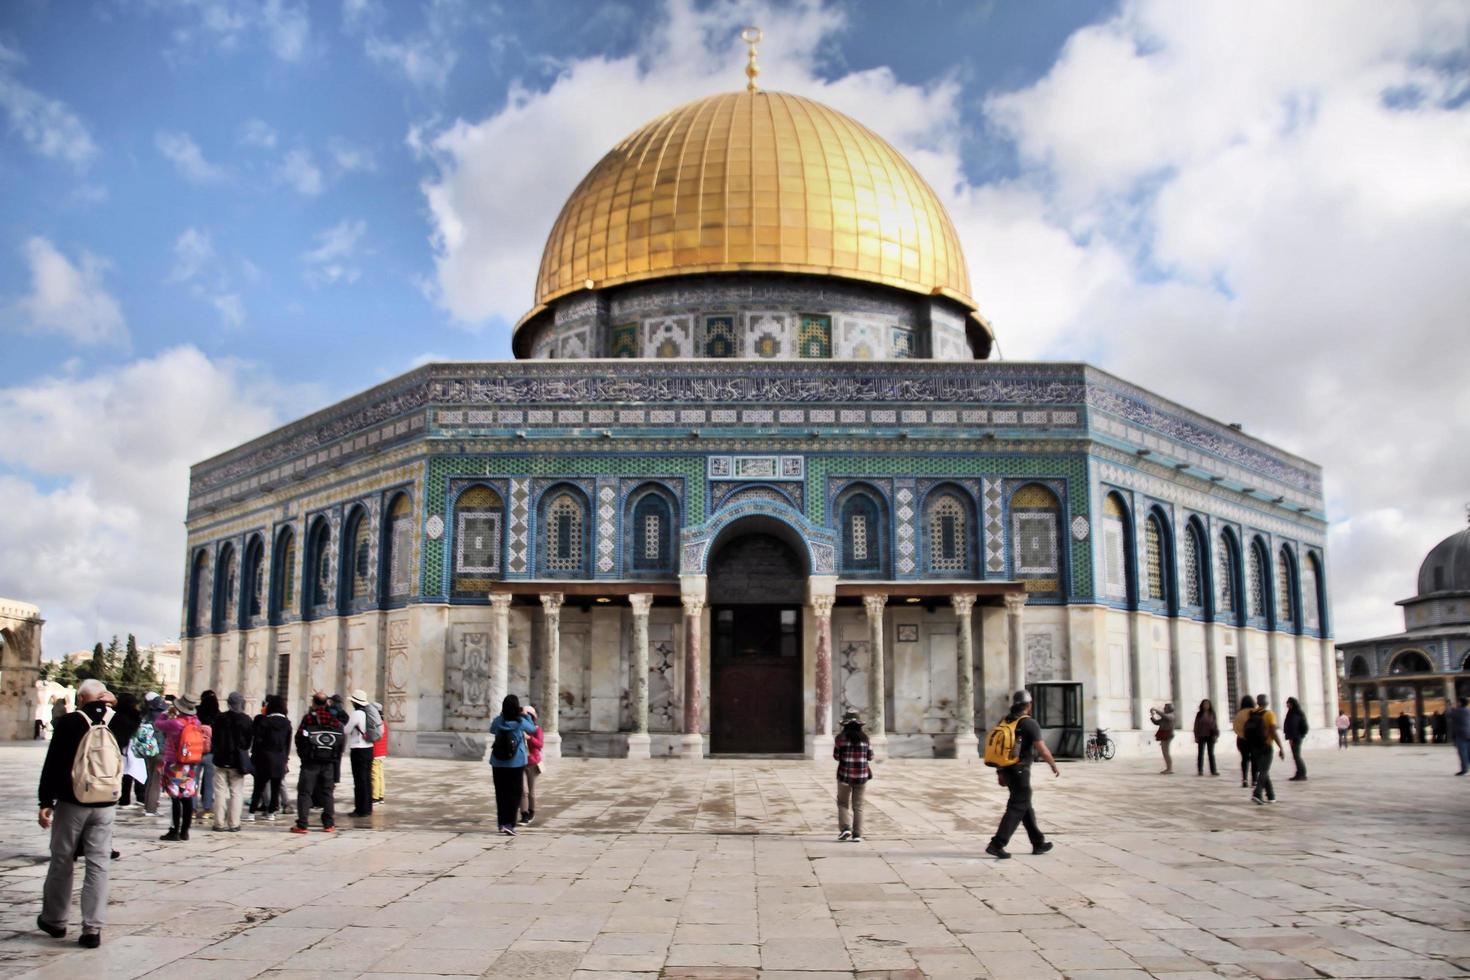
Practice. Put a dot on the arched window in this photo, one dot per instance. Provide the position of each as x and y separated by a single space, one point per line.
1036 514
947 515
1410 662
357 552
199 593
1194 582
1285 604
319 565
227 585
1311 600
1117 547
863 525
478 520
398 563
1360 668
254 581
283 575
562 543
651 535
1153 549
1226 564
1256 579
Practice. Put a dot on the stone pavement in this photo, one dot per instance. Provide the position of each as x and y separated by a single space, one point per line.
729 869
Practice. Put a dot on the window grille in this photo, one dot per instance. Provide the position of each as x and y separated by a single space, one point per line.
653 528
1225 577
1035 537
1311 613
323 560
1193 592
1284 612
564 535
1256 572
361 561
947 536
1153 546
859 537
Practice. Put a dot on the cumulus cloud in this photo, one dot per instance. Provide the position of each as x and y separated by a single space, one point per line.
351 158
45 124
283 27
199 267
181 151
1262 212
287 27
258 133
94 474
298 170
425 57
333 259
68 298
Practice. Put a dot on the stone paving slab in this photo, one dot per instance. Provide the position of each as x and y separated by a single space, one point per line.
728 869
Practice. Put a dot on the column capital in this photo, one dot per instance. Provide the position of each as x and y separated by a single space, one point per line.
874 602
693 604
822 605
1015 602
963 603
500 601
551 602
641 602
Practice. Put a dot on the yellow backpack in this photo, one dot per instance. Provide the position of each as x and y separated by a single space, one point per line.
1000 744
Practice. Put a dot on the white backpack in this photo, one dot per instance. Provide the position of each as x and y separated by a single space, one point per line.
97 770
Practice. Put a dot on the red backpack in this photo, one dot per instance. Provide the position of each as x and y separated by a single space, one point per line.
191 744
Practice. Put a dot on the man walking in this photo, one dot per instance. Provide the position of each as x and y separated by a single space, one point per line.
319 744
1016 778
1260 733
76 826
1458 721
232 738
360 747
1295 725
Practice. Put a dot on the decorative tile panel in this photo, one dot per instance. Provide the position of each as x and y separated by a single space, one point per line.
905 510
520 527
670 336
993 519
767 335
607 524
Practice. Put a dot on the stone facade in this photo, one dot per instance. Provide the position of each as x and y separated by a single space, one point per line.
20 665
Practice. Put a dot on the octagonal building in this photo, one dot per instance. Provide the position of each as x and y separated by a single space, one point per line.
752 467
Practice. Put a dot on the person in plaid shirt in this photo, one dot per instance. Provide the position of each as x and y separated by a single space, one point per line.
853 753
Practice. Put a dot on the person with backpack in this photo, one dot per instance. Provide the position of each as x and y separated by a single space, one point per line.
319 746
1247 760
1206 733
126 720
508 731
854 754
535 742
208 713
1294 726
231 750
185 744
364 727
380 755
81 781
1008 748
270 751
1164 734
1260 732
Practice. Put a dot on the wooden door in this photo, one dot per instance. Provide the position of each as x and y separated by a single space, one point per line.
755 679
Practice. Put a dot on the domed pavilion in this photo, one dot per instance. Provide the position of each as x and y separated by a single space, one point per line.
753 466
1426 667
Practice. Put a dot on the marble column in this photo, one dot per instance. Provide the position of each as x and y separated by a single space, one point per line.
1016 640
1353 711
692 743
1327 655
551 674
966 743
1303 683
822 723
638 739
1449 693
877 687
1383 725
500 664
1273 659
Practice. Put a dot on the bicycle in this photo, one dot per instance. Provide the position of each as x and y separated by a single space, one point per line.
1099 746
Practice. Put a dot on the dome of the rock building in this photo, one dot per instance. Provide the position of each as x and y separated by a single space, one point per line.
1447 568
753 182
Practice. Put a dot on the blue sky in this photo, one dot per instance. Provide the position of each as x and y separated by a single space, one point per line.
218 215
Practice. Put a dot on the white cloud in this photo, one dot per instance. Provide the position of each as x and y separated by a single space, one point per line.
68 298
425 58
45 124
287 27
181 150
281 26
333 259
351 158
258 133
298 170
97 484
197 264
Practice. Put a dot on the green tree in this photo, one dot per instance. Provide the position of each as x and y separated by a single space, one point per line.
112 661
130 674
63 672
96 667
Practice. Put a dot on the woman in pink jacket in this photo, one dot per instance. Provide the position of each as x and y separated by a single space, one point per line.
180 777
534 742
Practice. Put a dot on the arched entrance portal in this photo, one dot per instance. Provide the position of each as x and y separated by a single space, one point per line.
757 587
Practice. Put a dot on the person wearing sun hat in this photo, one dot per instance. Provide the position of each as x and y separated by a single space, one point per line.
853 755
180 778
360 750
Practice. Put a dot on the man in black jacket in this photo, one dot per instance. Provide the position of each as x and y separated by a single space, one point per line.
73 825
231 749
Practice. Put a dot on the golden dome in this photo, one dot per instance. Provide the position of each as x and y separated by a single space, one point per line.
753 181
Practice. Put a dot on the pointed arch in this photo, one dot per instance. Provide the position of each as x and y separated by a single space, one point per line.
395 573
199 593
950 542
1288 601
317 585
861 512
1196 562
252 582
1411 662
1313 591
1036 539
479 540
1258 581
650 532
1228 607
355 559
283 575
1158 560
1120 582
565 532
226 590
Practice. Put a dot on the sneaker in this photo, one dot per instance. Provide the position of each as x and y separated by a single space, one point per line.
90 940
997 851
218 829
1270 799
511 831
271 817
1258 801
505 830
234 830
55 932
857 840
297 829
329 830
530 815
1244 783
845 835
1042 848
251 816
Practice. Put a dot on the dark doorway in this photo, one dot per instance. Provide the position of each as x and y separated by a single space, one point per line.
757 587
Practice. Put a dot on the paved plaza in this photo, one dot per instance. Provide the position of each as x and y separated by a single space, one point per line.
729 869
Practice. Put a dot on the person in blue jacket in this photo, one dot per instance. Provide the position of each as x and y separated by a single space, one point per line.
508 731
